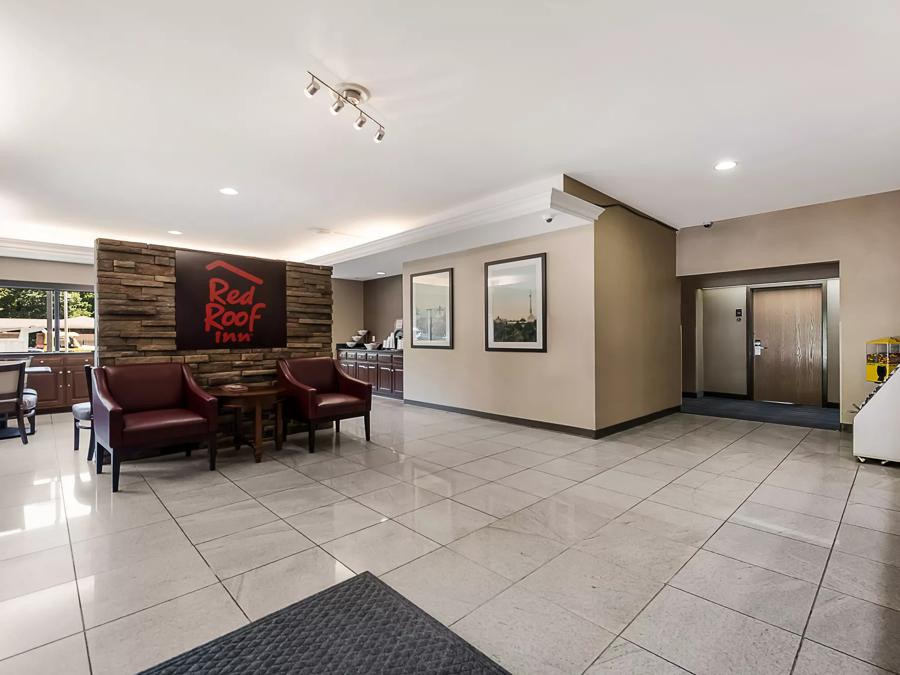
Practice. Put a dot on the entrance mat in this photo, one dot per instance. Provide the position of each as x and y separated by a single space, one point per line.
358 626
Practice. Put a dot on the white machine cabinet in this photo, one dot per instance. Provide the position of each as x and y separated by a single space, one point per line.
876 429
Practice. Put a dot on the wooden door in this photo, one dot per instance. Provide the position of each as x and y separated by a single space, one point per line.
787 347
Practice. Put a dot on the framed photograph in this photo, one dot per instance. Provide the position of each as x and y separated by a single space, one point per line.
515 301
431 296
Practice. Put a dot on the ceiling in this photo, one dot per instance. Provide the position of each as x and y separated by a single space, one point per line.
123 119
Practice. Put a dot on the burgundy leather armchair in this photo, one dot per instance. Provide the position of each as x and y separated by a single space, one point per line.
317 391
138 407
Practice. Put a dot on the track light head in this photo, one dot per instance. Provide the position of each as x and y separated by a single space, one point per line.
360 122
379 135
337 106
312 88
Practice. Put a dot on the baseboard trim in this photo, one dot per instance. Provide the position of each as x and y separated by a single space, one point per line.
830 404
848 427
636 422
689 394
550 426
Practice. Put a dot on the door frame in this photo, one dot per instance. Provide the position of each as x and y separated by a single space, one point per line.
823 313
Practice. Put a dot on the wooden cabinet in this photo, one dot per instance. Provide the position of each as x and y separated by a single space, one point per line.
64 385
383 369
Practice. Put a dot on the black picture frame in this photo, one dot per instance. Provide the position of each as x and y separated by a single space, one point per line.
542 310
412 309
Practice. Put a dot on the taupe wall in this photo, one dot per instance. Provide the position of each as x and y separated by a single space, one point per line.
638 317
347 308
382 305
863 234
45 271
556 386
725 340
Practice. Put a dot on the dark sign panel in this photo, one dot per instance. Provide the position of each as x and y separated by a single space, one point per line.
228 301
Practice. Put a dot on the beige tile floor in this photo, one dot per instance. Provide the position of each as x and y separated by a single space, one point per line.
690 544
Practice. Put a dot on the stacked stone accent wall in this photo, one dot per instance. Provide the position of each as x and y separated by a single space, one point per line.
135 310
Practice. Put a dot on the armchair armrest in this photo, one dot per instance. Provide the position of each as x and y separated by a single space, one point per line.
353 387
305 396
107 412
198 401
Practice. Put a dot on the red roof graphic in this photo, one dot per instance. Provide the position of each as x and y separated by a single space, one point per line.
234 270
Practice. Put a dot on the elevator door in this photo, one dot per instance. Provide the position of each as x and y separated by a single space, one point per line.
787 346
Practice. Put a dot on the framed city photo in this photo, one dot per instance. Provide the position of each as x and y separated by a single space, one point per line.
515 301
431 296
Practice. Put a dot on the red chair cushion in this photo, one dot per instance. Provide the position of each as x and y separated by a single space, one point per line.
154 427
147 386
328 405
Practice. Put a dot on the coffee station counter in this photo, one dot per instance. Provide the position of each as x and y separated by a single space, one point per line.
382 368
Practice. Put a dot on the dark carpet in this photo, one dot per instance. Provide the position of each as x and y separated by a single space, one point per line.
359 626
760 411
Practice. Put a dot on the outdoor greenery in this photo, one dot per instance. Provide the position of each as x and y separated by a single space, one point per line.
30 303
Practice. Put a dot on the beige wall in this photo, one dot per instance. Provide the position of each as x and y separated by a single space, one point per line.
638 317
382 305
556 386
724 340
45 271
863 234
347 309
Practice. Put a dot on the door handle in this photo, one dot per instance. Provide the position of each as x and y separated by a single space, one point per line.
758 347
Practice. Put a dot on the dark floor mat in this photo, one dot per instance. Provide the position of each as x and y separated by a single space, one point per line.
760 411
359 626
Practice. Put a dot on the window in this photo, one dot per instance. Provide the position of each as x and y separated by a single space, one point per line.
46 319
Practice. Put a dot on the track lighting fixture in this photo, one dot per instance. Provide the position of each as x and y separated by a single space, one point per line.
344 94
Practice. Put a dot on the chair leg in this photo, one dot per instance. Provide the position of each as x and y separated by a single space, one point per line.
116 463
77 436
99 458
368 427
187 453
31 421
93 444
337 426
312 436
23 431
213 449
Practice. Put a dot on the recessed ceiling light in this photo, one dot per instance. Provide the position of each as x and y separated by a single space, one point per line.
726 165
175 232
230 191
381 274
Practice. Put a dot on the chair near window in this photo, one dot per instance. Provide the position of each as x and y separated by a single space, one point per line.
84 417
14 401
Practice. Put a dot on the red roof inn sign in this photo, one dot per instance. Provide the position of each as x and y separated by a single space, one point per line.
228 302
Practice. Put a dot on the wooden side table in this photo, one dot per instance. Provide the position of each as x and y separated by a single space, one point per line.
253 399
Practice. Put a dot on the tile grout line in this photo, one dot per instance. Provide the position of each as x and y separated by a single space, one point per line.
570 547
699 548
87 648
824 572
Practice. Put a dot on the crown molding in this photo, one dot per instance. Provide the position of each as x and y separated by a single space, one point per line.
40 250
545 195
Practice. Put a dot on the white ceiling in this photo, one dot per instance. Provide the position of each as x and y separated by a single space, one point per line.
124 118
